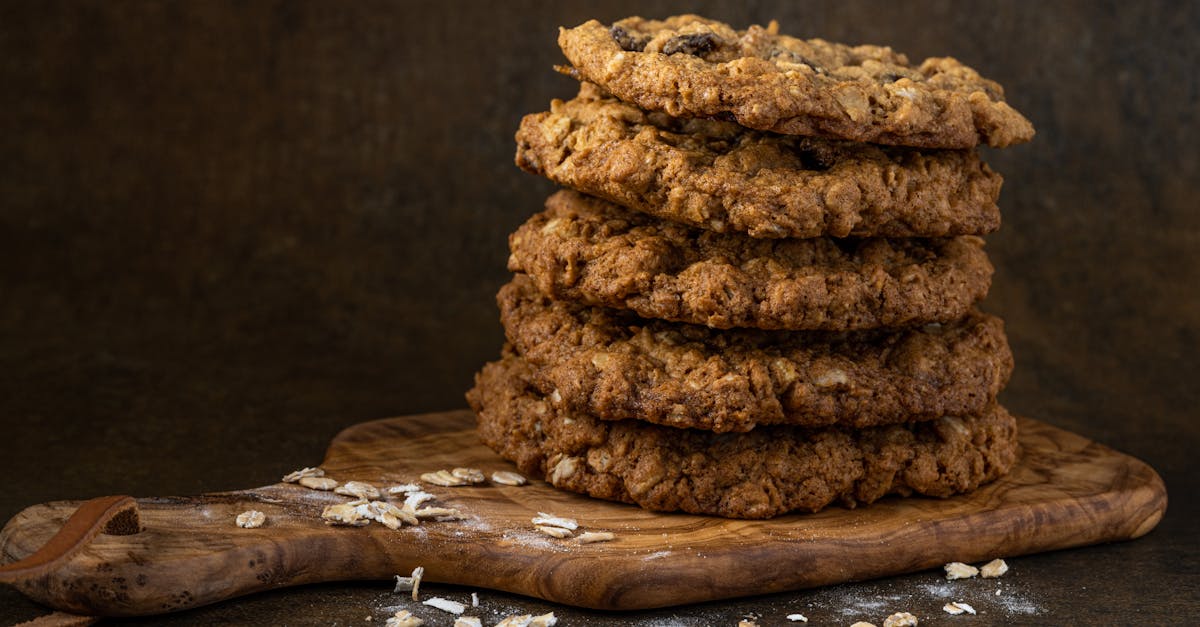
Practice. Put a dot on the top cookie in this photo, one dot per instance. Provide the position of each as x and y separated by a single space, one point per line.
690 66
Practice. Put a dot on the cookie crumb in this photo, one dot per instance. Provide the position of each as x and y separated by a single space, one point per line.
900 619
957 607
251 519
993 569
467 621
404 488
747 623
959 570
404 618
505 477
474 599
595 536
863 623
797 618
516 620
446 605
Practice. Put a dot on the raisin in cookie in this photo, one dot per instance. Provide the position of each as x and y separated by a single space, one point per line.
722 177
764 473
589 250
689 66
615 366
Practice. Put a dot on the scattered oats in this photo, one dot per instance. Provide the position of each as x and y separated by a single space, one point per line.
386 514
250 519
958 607
440 514
411 583
293 477
404 618
506 477
549 519
415 499
994 568
997 591
404 489
359 489
470 475
416 576
545 620
467 621
797 618
563 470
404 516
444 478
474 599
959 570
446 605
900 619
831 378
516 620
318 483
863 624
554 532
369 618
595 536
343 514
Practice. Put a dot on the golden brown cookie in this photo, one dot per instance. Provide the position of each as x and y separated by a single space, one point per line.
689 66
616 366
725 178
763 473
589 250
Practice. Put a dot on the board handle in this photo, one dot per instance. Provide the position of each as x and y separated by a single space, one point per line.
113 515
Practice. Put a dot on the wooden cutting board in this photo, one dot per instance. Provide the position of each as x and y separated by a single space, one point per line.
1066 491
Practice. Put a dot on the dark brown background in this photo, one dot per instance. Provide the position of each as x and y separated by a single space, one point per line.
231 229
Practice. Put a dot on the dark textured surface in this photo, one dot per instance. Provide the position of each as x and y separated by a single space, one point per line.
231 229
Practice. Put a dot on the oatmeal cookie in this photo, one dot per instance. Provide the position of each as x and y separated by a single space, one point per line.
616 366
763 473
689 66
722 177
589 250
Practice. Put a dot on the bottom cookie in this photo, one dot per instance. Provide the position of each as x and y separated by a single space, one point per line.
766 472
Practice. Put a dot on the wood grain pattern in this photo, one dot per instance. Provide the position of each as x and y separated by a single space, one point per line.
1067 491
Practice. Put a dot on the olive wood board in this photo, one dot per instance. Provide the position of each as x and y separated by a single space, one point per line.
1066 491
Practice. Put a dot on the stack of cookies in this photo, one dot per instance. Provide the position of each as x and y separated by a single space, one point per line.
757 293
